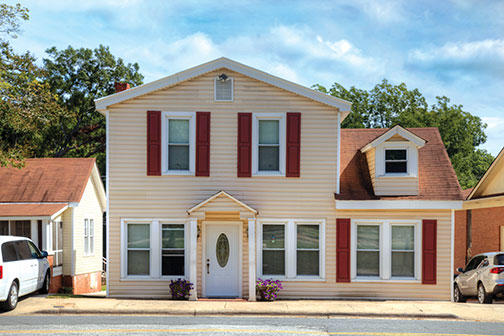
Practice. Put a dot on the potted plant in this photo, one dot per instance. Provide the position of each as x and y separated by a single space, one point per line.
180 289
268 289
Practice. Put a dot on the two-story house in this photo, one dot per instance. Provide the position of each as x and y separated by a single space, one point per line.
223 174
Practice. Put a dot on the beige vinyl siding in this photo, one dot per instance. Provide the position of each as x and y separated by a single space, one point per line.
384 289
391 185
133 194
66 218
90 208
370 157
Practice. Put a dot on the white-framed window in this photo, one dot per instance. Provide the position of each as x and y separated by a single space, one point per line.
396 161
291 249
268 144
88 236
154 249
223 88
273 249
385 250
178 138
173 250
138 249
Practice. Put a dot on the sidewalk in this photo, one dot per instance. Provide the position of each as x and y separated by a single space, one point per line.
39 305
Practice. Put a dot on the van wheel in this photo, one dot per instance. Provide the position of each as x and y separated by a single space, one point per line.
483 296
12 298
457 295
46 285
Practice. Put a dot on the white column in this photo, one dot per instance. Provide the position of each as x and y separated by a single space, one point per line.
252 259
193 245
34 231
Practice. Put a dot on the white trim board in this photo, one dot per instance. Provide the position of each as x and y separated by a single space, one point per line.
103 103
401 131
398 205
221 193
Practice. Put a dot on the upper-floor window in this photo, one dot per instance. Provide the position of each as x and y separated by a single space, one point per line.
88 236
269 144
178 140
396 161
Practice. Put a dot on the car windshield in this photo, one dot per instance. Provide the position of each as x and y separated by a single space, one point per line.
499 259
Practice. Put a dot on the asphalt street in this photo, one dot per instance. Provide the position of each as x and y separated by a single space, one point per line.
223 325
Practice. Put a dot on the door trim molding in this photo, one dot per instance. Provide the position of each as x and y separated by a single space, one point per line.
203 253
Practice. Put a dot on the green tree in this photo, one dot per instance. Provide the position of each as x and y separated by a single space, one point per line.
77 77
387 105
27 106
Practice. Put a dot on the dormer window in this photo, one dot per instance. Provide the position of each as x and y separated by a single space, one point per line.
396 161
223 88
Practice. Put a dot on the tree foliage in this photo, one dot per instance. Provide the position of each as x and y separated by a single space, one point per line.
10 17
387 105
78 76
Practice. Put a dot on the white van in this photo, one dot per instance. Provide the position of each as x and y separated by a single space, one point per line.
23 270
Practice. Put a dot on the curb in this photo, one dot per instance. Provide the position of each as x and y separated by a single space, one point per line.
62 311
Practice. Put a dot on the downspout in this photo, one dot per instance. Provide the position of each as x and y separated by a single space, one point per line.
107 186
468 253
338 154
452 253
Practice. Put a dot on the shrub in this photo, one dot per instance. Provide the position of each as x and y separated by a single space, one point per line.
268 289
180 289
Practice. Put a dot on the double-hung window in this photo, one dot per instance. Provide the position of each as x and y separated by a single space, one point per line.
269 144
138 249
273 249
178 139
88 236
173 258
403 251
385 250
291 249
307 250
396 161
368 250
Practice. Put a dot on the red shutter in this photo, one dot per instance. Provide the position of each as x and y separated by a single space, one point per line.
154 143
343 250
429 254
293 144
244 144
202 143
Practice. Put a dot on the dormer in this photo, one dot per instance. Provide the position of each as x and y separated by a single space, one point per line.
392 159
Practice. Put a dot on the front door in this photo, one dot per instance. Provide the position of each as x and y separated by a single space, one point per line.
222 260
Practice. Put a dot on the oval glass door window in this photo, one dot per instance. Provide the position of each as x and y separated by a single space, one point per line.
222 250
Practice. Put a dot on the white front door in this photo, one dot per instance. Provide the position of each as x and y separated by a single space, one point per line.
222 260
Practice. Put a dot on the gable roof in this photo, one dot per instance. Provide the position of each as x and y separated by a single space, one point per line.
493 166
437 179
217 195
342 105
396 130
47 180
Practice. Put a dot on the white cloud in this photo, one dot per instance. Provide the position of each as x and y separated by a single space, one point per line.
484 56
495 136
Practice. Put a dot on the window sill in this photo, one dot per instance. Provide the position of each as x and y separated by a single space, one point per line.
178 173
151 279
395 175
393 280
269 173
283 279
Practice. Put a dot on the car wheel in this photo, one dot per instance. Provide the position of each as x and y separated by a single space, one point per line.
457 295
46 285
12 298
483 296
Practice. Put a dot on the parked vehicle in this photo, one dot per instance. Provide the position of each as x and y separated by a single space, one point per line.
483 277
23 269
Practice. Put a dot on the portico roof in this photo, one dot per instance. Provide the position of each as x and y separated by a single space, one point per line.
221 194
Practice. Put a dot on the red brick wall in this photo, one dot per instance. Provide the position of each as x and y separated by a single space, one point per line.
56 284
82 283
485 232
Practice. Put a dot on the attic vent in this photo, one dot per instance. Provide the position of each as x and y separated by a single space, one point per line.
223 88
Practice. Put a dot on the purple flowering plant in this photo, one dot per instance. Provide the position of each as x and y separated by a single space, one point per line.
268 289
180 289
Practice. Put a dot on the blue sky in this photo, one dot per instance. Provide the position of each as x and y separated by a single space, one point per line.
450 47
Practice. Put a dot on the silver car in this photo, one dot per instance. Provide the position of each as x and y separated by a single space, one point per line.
483 277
